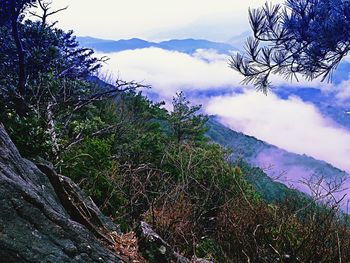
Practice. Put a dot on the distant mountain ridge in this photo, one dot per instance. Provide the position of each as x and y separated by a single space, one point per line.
188 46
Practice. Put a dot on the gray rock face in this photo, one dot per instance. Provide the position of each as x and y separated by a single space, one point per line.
37 223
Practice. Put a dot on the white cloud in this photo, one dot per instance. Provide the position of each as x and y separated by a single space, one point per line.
169 71
343 91
289 124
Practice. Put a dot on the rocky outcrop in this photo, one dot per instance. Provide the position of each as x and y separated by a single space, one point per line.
44 217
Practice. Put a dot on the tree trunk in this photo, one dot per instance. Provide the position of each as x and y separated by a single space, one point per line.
19 100
51 128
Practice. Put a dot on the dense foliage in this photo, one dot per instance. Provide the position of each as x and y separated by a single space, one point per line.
11 9
139 161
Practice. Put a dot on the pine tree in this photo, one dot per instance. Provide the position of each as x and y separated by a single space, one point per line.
186 123
306 37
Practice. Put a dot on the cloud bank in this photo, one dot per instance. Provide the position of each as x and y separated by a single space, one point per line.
170 71
289 124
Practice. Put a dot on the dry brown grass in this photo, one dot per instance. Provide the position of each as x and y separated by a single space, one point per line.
174 222
126 246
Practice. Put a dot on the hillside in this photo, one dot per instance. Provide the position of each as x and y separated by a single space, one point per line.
286 167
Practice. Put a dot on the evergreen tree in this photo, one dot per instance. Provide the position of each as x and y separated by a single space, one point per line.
185 122
10 17
307 37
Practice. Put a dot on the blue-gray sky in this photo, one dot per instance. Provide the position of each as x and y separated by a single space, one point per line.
157 19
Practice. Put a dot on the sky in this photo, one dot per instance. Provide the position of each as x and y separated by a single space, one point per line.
290 123
217 20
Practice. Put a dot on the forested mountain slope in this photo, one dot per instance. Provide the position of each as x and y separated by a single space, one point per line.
283 166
